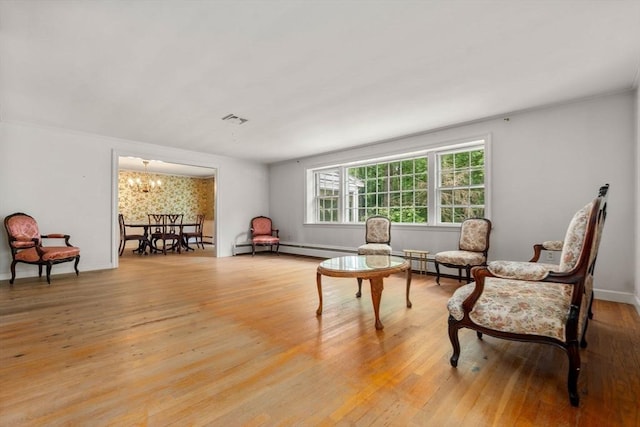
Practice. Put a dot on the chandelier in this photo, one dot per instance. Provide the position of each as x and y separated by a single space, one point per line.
146 185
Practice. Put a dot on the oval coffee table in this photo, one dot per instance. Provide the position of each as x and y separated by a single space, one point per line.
372 267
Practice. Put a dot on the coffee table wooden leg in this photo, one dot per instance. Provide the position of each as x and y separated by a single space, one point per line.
408 286
319 283
376 295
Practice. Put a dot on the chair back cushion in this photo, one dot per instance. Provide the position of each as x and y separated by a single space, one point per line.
378 230
474 235
261 226
23 229
574 239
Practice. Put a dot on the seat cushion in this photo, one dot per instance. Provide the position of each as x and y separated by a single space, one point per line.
460 258
265 240
517 306
51 253
374 249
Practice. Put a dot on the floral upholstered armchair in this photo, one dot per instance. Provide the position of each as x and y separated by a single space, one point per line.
263 234
377 240
528 301
26 246
473 248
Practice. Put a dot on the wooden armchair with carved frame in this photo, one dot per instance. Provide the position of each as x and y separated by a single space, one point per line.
263 234
525 301
26 246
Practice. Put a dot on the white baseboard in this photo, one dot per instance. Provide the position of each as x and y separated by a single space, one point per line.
318 251
616 296
24 272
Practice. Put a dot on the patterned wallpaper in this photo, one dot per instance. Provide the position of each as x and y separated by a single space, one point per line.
178 194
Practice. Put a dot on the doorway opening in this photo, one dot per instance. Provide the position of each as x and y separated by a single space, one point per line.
146 186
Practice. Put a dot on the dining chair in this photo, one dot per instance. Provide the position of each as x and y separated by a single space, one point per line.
124 237
156 230
196 234
165 228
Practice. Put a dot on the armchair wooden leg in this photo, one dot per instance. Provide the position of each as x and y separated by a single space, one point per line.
574 370
13 273
409 305
455 343
437 272
75 266
468 267
49 273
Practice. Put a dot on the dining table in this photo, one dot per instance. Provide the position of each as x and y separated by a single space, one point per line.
146 243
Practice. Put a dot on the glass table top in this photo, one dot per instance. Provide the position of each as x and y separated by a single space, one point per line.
362 263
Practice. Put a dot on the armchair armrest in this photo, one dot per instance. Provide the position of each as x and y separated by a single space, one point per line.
519 270
549 245
479 274
66 237
275 230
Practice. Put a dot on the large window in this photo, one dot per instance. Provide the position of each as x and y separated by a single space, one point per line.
437 186
461 185
396 189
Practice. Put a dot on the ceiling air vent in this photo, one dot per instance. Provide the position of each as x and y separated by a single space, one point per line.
232 118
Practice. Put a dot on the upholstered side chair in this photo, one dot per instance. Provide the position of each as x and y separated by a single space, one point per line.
196 234
25 242
263 234
125 237
377 240
473 247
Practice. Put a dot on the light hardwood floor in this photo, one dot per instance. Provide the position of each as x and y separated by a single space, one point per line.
195 340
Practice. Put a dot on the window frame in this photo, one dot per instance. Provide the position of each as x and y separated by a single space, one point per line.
453 188
433 174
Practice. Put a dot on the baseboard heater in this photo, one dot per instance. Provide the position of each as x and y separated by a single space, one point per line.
320 251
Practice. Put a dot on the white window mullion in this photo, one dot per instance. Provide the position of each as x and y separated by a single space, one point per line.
434 216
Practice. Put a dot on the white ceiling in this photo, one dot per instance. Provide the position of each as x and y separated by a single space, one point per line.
310 76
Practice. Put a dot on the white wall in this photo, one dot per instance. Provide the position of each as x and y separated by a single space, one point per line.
545 165
637 222
66 180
